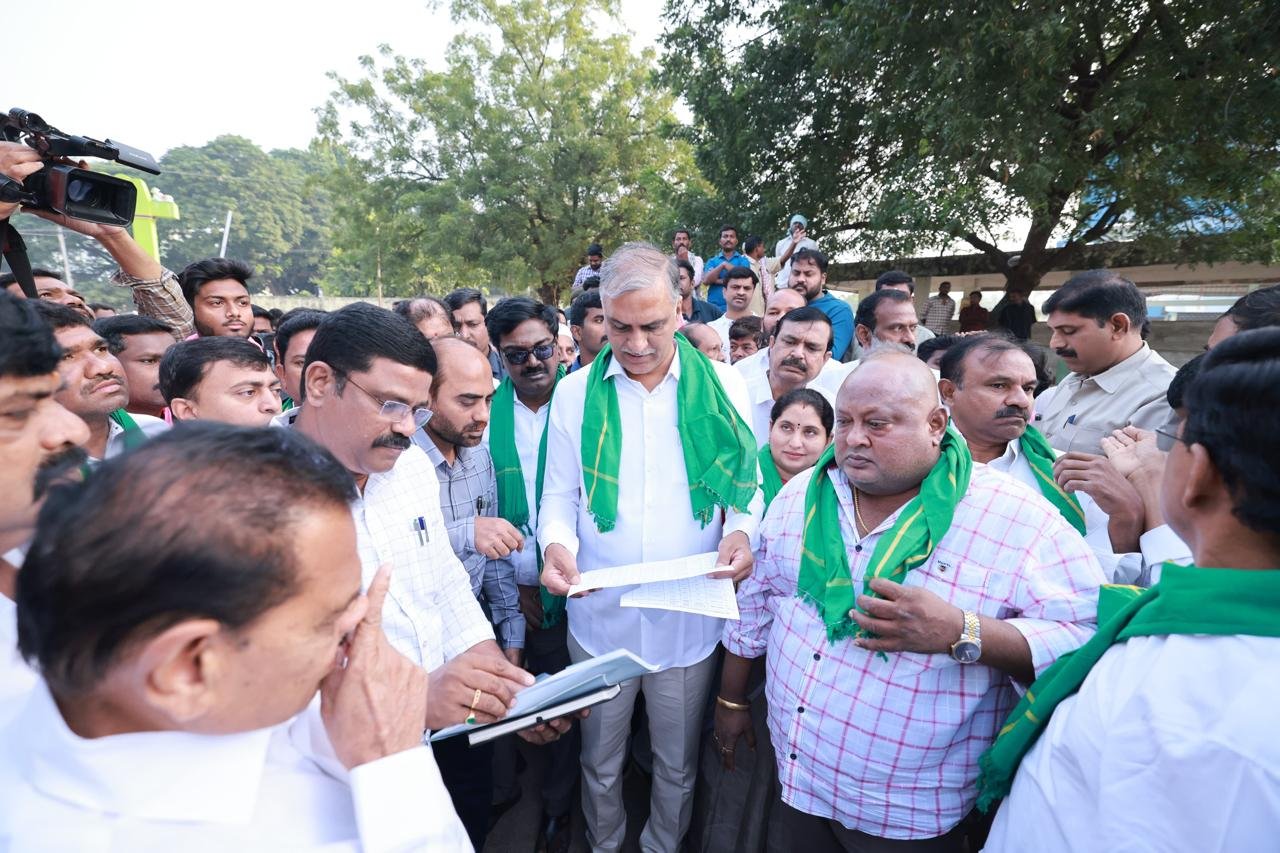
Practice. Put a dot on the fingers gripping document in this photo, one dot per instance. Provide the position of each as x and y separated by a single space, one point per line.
680 584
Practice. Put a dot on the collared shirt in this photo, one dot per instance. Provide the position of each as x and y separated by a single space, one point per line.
938 311
150 426
1080 410
703 312
890 747
974 318
784 274
529 426
1169 745
468 488
430 614
721 324
160 298
715 290
841 317
655 517
267 790
755 370
582 275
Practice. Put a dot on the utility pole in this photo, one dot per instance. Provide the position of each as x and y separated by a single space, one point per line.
226 232
66 262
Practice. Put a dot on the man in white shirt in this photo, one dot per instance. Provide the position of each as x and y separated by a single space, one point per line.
1116 380
988 383
681 245
38 441
641 494
95 387
739 294
1160 734
366 388
799 350
797 238
939 310
180 663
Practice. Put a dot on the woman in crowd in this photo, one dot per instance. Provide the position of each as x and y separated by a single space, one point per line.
800 428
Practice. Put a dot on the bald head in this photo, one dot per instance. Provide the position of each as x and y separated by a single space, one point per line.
704 338
456 357
777 304
889 424
461 392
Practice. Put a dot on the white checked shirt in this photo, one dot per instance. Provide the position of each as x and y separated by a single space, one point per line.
655 517
890 747
262 791
430 614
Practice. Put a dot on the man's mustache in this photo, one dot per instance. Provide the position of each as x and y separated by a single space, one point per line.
1013 412
57 466
1065 353
394 440
792 361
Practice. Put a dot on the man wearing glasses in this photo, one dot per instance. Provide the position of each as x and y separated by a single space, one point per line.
365 391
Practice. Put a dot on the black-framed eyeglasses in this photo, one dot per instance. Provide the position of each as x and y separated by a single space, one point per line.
393 411
1166 439
541 352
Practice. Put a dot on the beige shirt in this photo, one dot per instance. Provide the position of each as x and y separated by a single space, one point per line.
1081 410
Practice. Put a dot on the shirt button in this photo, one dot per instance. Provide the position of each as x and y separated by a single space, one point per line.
858 548
800 710
794 756
817 656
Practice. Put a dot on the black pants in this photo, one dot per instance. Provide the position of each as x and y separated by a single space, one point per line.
467 772
822 835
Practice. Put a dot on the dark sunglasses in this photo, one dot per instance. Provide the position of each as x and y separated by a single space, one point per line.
541 352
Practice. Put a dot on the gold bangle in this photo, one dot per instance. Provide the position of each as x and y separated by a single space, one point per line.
732 706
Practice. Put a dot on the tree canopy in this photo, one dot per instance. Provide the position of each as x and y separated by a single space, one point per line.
541 135
905 127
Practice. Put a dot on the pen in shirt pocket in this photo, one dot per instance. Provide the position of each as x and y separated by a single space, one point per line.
419 525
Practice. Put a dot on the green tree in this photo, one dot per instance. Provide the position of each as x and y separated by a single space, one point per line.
904 127
541 135
280 212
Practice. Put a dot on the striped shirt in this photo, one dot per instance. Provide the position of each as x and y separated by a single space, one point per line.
890 747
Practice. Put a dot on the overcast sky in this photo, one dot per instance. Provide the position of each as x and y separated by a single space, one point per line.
177 72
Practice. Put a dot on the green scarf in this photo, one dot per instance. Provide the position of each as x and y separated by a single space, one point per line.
771 480
1187 600
825 578
719 448
1041 457
513 505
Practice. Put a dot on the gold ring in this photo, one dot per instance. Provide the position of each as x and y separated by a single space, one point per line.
475 700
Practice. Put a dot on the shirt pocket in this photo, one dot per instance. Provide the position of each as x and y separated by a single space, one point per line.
956 581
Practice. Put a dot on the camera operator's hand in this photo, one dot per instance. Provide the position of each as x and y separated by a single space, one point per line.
96 230
17 161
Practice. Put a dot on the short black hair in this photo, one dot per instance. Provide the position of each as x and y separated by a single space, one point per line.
952 365
259 311
98 306
805 397
114 330
591 282
1256 310
595 249
751 243
186 363
350 339
938 343
38 272
743 272
60 316
196 275
1099 295
681 230
514 310
729 227
746 327
895 277
687 267
455 299
818 258
1233 411
866 313
125 555
1176 393
1046 373
294 321
805 314
27 345
577 312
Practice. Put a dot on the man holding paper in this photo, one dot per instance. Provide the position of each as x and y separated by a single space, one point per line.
649 458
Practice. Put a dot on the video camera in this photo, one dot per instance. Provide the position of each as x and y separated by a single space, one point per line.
67 189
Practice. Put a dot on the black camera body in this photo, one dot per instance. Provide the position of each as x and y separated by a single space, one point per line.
67 189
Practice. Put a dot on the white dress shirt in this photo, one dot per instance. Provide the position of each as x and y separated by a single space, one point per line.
430 614
755 370
784 274
1169 746
721 324
157 792
1078 412
655 516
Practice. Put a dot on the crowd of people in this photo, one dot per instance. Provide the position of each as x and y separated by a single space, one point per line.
252 561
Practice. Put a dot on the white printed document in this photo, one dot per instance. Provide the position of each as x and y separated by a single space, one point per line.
647 573
703 595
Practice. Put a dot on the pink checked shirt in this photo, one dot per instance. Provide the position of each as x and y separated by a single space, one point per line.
890 747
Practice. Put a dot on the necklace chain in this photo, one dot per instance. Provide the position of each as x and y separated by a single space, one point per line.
863 528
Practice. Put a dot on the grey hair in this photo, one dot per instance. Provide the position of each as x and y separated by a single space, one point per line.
637 266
